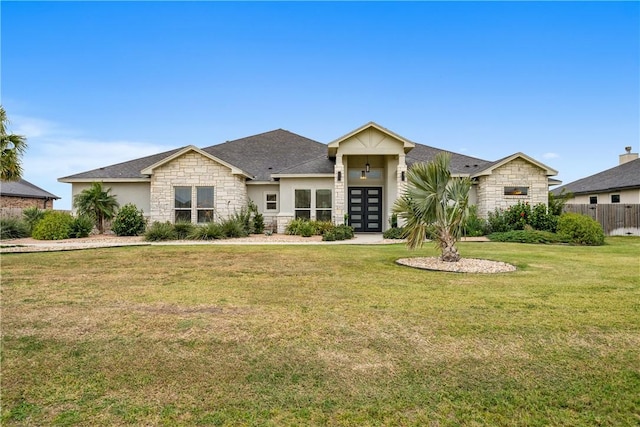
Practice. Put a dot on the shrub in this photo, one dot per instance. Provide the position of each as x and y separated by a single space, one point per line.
526 236
13 228
338 232
54 225
210 231
306 229
294 226
258 223
234 227
182 229
129 221
394 233
497 222
475 226
160 231
542 219
31 217
81 226
580 229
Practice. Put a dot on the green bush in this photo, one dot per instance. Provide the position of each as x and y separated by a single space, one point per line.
54 225
31 216
129 221
475 226
81 226
542 219
294 226
182 229
234 227
13 228
580 229
394 233
160 231
497 222
258 223
526 236
307 229
210 231
338 232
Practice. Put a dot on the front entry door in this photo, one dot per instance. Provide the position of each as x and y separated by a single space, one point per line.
365 209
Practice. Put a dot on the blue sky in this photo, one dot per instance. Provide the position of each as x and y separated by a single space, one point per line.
95 83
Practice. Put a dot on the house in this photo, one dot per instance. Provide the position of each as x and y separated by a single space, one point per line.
620 184
287 176
22 194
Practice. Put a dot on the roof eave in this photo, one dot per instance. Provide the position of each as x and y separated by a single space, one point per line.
79 180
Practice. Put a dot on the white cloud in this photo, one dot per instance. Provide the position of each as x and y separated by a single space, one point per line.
550 155
54 152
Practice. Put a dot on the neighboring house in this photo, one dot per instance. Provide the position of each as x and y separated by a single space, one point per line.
620 184
288 176
22 194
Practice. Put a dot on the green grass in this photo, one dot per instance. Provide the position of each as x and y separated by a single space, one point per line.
321 335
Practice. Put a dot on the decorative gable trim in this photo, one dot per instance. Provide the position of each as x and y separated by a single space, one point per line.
333 146
493 166
191 148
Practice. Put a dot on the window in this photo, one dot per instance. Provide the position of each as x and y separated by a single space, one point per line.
615 198
593 200
204 201
516 191
182 204
271 201
303 204
323 205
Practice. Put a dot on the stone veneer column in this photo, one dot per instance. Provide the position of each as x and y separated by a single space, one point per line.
339 191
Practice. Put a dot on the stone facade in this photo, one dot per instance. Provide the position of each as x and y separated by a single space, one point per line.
516 173
195 170
25 202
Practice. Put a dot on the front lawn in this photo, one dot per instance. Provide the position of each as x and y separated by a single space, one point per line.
321 335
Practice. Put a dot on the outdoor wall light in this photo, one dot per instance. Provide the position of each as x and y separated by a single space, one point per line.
367 167
339 175
402 176
363 175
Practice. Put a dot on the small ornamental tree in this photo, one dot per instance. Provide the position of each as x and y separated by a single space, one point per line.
97 203
434 200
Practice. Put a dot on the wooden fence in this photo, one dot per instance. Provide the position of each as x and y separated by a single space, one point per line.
616 219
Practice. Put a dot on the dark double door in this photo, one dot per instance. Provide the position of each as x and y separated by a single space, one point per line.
365 209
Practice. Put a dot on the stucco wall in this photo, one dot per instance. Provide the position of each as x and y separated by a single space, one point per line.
287 196
193 169
125 192
516 173
257 193
626 196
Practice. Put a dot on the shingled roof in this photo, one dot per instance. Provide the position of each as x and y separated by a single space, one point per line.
125 170
277 152
621 177
23 188
460 164
266 153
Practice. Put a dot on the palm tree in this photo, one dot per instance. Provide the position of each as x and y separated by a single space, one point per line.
433 198
12 147
97 203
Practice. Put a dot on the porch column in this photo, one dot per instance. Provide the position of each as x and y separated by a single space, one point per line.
402 170
338 191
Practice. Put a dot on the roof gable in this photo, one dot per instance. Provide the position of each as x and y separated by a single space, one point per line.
190 148
370 136
488 169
